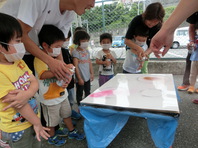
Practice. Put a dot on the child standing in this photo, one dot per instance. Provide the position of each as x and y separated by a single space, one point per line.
194 65
81 59
105 59
70 88
53 97
132 64
16 123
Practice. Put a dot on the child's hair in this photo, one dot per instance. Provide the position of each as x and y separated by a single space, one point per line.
50 34
9 28
105 36
80 35
141 31
79 29
154 11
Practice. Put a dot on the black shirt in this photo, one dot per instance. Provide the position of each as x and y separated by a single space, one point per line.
193 19
68 60
137 21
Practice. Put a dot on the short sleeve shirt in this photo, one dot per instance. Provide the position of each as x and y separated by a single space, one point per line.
83 63
15 76
138 21
49 92
36 13
105 70
193 18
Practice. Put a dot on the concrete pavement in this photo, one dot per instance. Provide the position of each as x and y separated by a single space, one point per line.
135 134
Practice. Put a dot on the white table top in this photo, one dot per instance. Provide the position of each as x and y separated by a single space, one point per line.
150 92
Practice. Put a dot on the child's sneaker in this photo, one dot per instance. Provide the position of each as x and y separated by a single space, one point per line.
4 144
76 135
183 87
57 141
191 89
62 132
75 115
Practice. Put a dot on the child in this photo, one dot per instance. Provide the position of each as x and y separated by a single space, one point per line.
105 59
70 88
53 98
82 62
16 123
132 64
194 64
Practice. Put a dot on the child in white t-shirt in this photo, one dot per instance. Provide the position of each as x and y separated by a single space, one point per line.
132 64
105 58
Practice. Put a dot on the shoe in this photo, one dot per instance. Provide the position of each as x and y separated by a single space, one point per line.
183 87
75 115
76 135
62 132
195 101
4 144
56 140
191 89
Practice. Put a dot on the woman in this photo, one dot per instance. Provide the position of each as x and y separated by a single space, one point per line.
151 18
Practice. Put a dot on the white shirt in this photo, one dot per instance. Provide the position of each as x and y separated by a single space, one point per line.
131 63
36 13
105 70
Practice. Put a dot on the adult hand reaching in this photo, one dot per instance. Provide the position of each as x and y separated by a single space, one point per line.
162 39
60 69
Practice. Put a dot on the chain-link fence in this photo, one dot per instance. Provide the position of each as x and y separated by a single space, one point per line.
114 16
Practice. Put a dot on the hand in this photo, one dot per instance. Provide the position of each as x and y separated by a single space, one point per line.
15 98
65 85
107 63
162 39
190 45
80 82
41 132
60 69
92 77
140 66
109 56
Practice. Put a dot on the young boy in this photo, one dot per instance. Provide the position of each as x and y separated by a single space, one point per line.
81 59
53 97
105 58
16 123
132 64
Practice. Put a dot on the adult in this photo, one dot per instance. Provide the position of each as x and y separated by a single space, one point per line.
164 38
152 19
32 15
192 20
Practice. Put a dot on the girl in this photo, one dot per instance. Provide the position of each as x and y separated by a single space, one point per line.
82 62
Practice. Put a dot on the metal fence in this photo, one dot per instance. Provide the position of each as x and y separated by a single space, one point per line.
114 16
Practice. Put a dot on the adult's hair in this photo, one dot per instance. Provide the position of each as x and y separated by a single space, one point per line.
9 28
80 35
141 30
105 36
50 34
154 11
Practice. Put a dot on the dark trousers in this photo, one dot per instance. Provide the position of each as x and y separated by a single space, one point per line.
187 70
79 91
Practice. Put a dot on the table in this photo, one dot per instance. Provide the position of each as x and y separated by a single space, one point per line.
152 96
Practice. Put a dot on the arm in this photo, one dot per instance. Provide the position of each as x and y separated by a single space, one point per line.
134 46
27 112
47 75
91 70
18 98
77 72
191 33
57 67
164 37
